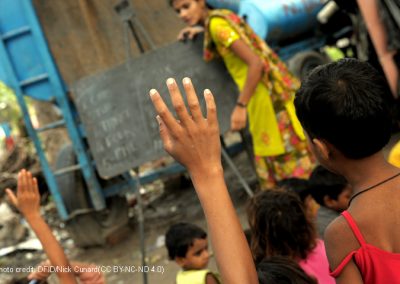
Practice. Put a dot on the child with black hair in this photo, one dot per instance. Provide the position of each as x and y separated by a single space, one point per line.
303 190
332 192
187 245
342 109
282 270
280 227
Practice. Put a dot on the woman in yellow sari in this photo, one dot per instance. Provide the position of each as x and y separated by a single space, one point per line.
266 90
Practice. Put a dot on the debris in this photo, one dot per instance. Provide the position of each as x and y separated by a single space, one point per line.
11 163
11 229
31 244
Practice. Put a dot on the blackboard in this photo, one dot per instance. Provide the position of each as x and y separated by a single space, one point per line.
118 115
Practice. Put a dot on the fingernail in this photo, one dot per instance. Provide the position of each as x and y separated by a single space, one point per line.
186 80
170 81
207 92
153 92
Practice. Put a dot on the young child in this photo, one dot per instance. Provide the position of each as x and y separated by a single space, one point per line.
27 201
280 227
282 270
342 110
188 246
332 192
303 189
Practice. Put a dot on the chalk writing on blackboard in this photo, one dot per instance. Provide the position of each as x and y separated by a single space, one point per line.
118 116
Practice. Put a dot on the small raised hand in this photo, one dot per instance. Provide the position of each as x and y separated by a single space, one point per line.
27 199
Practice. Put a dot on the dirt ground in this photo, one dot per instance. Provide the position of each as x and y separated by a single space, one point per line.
122 261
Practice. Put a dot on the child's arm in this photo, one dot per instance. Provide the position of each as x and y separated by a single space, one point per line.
337 250
28 203
194 142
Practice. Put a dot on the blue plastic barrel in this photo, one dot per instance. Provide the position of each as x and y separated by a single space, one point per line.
277 20
225 4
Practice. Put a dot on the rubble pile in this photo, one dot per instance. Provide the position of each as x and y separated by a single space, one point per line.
11 162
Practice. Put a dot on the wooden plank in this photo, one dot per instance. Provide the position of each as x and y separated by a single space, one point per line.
87 36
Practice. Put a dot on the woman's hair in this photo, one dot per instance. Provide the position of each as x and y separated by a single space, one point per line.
279 226
282 270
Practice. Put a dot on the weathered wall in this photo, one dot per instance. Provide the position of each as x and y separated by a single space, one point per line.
87 36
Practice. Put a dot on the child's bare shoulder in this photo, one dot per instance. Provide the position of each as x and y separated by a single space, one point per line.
339 241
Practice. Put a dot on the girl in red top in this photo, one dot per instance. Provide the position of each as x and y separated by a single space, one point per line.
341 108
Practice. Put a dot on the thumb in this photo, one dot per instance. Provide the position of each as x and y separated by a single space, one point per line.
11 196
191 35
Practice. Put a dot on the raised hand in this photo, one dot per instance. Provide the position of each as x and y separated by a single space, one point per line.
193 140
27 199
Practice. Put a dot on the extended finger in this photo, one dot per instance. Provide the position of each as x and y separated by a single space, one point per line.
29 182
192 100
163 111
164 134
21 182
11 196
191 35
177 102
211 108
35 186
25 179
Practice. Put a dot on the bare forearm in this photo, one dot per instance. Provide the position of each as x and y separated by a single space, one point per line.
52 248
369 10
231 249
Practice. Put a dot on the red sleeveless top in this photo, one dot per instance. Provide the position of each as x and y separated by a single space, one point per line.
376 265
